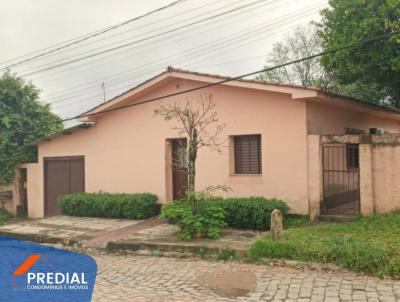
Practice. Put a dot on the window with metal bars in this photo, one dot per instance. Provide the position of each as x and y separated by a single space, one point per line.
352 156
247 154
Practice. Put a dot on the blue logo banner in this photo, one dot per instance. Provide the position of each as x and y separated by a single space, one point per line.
33 272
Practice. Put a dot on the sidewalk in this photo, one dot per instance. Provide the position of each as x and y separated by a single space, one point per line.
63 229
117 235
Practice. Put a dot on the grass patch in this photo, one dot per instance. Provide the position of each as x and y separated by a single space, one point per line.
295 221
367 244
5 216
227 254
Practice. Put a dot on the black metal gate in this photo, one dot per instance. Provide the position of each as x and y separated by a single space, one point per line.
341 179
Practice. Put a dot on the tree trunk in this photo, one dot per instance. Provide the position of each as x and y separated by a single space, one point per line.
192 156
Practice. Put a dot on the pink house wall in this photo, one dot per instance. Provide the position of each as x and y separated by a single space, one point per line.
330 119
125 150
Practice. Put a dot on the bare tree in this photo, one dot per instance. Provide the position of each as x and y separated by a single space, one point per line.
195 116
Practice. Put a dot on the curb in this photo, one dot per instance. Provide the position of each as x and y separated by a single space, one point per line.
41 238
182 248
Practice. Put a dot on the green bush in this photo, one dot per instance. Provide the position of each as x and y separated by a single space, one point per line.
251 212
127 206
206 223
5 216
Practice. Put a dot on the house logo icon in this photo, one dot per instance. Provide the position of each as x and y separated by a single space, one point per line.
24 267
49 280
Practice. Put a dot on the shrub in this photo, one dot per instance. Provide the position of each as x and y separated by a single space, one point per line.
4 216
251 212
128 206
206 223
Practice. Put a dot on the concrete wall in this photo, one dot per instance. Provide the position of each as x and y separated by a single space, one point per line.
11 204
126 150
386 174
35 190
379 170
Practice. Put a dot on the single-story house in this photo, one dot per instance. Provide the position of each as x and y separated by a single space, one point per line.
267 129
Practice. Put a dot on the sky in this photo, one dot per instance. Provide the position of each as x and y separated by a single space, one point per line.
227 37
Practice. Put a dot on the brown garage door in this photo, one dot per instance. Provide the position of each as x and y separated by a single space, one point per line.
62 175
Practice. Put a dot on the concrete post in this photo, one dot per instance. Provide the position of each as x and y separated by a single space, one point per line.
314 176
366 181
276 224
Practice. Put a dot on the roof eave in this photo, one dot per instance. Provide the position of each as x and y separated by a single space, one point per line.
67 131
295 92
371 108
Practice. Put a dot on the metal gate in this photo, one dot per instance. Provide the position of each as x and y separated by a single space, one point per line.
341 179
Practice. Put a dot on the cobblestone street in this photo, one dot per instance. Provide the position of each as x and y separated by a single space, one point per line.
142 278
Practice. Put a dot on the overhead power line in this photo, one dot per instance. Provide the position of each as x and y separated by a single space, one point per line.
161 39
137 35
101 61
158 20
94 34
239 39
50 47
359 43
141 40
236 40
151 71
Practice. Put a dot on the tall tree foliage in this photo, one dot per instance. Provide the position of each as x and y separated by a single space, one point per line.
300 43
23 119
370 72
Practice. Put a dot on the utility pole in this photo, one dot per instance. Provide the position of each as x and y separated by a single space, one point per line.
103 86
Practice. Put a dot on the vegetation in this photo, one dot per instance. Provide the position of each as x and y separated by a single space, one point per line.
206 222
227 254
128 206
23 119
302 42
195 117
370 72
251 212
295 221
368 244
4 216
216 212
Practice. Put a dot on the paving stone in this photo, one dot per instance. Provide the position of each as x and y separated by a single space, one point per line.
143 278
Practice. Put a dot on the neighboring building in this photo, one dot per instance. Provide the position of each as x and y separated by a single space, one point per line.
268 127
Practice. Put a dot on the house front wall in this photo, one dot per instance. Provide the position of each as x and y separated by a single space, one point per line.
126 150
330 119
